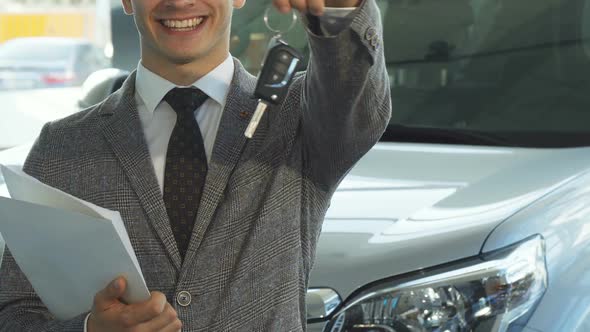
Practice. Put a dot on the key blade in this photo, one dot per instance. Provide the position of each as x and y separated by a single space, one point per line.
256 119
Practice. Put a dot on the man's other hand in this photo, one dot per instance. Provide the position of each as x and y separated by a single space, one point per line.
315 7
109 314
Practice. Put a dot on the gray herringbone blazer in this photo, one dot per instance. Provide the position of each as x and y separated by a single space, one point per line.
264 200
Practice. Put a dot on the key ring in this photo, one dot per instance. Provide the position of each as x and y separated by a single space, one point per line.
278 31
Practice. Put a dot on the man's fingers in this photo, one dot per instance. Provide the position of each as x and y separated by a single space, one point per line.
300 5
137 313
316 7
166 321
110 295
282 5
174 327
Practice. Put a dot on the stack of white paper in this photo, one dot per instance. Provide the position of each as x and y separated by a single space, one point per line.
69 249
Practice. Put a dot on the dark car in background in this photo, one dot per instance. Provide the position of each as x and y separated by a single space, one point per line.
47 62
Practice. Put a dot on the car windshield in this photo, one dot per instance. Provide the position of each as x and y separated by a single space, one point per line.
484 72
489 72
36 50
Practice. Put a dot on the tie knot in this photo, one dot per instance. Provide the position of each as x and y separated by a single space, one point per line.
185 101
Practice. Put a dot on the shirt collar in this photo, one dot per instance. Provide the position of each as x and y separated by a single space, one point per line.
152 88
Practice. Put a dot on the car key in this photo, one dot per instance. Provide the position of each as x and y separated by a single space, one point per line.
277 73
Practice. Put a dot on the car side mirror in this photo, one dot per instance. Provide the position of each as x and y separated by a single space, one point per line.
321 303
100 84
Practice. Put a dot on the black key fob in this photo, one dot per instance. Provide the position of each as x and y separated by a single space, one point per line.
278 69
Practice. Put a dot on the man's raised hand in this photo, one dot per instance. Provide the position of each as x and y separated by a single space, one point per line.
315 7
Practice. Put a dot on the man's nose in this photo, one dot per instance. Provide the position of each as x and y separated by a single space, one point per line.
179 3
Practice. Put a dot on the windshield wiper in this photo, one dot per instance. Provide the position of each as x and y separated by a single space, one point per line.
401 133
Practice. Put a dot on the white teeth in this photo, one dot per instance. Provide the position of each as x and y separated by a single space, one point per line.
178 24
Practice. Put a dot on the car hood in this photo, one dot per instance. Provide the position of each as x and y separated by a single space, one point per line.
405 207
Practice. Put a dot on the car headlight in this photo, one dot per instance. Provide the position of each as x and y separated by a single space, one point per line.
487 293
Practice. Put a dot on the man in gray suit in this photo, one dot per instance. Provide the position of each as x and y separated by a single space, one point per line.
224 227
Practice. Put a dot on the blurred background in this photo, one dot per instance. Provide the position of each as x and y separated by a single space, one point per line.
48 48
86 19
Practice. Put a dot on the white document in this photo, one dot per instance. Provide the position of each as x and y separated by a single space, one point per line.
68 248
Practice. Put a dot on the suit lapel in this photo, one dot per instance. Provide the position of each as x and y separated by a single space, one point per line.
122 129
227 150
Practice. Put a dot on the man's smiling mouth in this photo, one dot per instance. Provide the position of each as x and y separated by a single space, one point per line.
183 25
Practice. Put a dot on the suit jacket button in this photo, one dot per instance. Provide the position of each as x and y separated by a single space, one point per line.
183 298
370 34
375 42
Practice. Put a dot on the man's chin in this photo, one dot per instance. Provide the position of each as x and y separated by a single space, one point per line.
183 59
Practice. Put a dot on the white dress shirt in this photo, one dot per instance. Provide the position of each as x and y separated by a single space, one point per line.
158 118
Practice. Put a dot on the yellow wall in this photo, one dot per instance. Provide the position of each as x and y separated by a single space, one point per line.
54 24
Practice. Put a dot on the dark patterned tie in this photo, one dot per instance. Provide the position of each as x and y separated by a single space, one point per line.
186 165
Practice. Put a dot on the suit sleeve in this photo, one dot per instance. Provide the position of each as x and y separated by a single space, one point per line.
20 307
346 102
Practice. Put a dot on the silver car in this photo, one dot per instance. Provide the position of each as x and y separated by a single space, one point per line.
48 62
473 212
